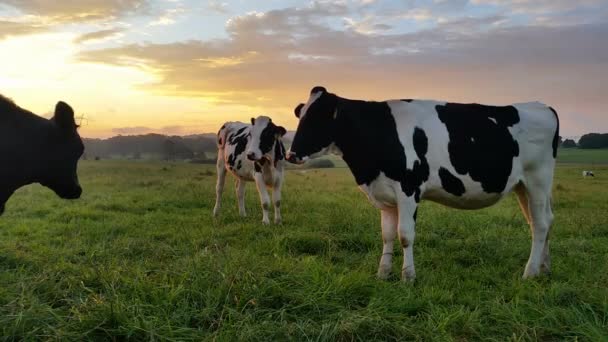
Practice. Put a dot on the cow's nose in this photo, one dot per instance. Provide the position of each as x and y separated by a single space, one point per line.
251 156
291 157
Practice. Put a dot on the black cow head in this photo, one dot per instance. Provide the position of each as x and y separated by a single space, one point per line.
315 132
264 134
63 151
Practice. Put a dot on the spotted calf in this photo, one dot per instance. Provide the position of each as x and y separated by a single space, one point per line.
252 153
465 156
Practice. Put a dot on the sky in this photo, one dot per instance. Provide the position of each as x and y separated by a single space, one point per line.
181 66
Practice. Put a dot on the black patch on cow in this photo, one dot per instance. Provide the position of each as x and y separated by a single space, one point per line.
556 135
407 100
416 214
268 137
451 183
480 142
279 152
420 171
277 204
239 165
258 164
239 140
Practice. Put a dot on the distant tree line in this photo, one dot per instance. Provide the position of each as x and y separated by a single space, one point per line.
152 146
587 141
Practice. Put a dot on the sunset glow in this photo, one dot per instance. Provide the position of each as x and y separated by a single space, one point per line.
182 67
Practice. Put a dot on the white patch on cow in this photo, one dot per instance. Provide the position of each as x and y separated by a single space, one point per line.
313 97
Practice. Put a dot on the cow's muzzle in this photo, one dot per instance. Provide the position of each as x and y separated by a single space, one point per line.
294 159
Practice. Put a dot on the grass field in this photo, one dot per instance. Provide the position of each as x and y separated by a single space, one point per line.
139 257
587 156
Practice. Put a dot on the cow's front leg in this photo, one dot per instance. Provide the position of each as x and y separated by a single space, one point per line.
276 198
389 220
264 197
240 195
407 233
219 187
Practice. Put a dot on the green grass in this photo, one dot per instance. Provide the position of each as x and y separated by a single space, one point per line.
139 257
582 156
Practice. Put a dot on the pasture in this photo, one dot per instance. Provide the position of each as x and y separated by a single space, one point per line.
140 257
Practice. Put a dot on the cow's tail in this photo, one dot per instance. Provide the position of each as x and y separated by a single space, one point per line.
221 136
556 135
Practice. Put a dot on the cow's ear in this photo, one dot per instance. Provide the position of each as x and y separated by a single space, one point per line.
253 121
64 117
281 130
297 110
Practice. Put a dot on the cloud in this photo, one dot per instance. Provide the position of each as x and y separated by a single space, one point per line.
168 17
218 6
76 11
98 35
11 28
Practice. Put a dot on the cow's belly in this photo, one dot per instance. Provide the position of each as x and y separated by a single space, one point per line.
242 168
473 198
471 201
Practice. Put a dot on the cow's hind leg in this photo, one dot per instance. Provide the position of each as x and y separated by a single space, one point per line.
389 220
221 178
264 197
407 233
522 198
538 189
240 194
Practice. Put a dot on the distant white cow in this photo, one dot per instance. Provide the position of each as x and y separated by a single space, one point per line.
252 153
588 174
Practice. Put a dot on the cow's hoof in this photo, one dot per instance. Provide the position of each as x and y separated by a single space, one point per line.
216 212
383 273
531 272
243 214
278 221
408 276
265 222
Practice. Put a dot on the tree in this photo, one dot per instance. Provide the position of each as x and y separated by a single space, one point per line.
568 143
594 140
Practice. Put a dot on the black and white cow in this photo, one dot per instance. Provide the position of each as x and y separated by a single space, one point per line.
36 150
465 156
252 153
588 174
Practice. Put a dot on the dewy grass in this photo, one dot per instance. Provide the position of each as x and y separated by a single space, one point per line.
139 257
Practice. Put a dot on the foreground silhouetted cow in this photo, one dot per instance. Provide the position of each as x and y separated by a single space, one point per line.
252 153
37 150
465 156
